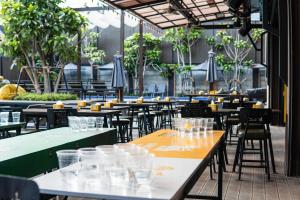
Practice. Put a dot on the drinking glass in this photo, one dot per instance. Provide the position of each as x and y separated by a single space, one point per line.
141 167
74 123
89 160
67 160
83 123
99 123
16 116
209 125
4 116
91 122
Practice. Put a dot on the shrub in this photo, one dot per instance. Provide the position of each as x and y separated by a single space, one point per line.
46 97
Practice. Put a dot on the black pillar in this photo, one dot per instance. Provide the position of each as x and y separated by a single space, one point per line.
141 60
276 100
292 9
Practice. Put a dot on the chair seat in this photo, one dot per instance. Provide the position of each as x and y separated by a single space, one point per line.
125 117
254 134
152 114
159 112
121 122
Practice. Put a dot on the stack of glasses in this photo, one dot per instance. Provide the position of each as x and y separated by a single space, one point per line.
193 126
85 123
121 164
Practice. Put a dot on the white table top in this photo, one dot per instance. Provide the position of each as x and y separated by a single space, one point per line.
170 175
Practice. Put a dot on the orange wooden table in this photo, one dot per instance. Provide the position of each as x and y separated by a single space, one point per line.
170 144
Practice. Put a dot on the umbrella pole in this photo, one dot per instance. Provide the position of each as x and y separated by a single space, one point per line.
212 86
120 94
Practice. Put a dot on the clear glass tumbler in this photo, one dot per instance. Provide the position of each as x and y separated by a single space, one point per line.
67 160
16 116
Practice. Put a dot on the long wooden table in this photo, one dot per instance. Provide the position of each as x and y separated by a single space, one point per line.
10 126
33 154
38 113
179 162
238 96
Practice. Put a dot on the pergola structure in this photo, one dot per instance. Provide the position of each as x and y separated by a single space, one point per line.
173 13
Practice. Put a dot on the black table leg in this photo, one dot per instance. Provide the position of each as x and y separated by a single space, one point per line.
18 131
105 124
220 170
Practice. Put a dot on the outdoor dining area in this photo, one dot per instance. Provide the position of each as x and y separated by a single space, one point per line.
156 99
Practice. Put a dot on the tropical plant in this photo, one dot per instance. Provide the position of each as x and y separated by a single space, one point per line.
151 57
40 29
182 40
232 52
91 51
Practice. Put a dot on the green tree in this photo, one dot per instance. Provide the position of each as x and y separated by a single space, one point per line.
92 52
151 58
232 52
40 30
182 40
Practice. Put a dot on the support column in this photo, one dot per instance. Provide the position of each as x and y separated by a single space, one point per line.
276 100
122 38
293 116
141 60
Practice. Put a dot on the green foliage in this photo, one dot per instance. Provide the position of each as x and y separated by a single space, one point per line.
40 28
46 97
94 54
168 70
152 51
182 38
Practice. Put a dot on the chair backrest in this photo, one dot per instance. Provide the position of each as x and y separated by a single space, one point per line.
230 105
262 116
195 112
59 117
76 85
13 188
199 104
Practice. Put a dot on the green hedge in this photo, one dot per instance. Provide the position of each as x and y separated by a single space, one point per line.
46 97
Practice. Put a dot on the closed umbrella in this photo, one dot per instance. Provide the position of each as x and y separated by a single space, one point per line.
211 75
118 77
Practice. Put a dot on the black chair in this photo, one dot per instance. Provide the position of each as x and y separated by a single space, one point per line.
18 188
204 112
255 126
196 111
77 88
59 117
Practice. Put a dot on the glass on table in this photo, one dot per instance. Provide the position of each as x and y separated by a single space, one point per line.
141 167
99 123
209 125
4 117
83 123
91 123
74 123
67 160
89 162
16 116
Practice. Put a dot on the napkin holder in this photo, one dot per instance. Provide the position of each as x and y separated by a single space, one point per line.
258 106
108 104
58 106
81 104
95 107
214 107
